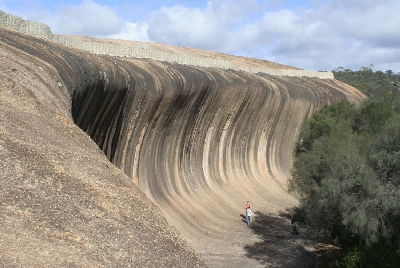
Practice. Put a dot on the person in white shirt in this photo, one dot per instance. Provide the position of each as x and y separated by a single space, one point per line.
249 216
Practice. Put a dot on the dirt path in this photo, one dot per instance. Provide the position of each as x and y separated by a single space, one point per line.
214 225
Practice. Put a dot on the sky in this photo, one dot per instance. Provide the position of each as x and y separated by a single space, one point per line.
319 35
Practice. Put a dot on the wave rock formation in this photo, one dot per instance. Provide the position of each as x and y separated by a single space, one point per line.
189 145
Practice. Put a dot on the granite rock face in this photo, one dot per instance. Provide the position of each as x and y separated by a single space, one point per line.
62 203
118 162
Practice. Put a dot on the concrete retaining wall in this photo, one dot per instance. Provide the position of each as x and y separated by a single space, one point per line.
25 26
143 51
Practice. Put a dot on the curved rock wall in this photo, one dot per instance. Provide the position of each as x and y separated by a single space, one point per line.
62 203
197 141
201 141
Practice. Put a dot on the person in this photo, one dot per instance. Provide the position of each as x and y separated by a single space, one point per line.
294 229
249 216
247 206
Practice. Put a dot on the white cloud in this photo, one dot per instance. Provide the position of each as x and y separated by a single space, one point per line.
132 31
191 27
87 18
210 28
322 36
329 34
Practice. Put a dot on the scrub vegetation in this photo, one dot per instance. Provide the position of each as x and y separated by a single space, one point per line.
347 171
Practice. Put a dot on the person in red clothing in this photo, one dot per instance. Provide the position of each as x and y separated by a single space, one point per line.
247 206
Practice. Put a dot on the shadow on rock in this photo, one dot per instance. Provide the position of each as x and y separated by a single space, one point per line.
243 218
279 248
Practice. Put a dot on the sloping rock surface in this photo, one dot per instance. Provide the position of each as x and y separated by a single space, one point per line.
109 162
62 203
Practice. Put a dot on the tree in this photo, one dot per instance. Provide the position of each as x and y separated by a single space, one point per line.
347 172
378 86
372 115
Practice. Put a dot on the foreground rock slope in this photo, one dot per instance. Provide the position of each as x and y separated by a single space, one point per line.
62 203
117 161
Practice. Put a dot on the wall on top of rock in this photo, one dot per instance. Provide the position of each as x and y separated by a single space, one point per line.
25 26
142 50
